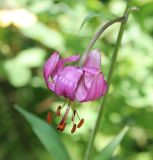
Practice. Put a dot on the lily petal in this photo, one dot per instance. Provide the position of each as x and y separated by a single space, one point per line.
60 66
67 83
91 87
97 89
71 59
93 60
49 67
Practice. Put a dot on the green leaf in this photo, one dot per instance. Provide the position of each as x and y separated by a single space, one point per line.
22 63
107 152
48 137
17 75
104 15
32 57
45 35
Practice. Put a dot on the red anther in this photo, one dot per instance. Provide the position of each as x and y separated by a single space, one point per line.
80 123
73 128
58 112
61 127
49 117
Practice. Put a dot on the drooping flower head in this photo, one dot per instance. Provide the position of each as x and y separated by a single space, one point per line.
76 83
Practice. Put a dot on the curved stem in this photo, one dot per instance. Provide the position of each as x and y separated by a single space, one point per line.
111 69
97 35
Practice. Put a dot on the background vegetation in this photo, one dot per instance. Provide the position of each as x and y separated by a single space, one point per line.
30 30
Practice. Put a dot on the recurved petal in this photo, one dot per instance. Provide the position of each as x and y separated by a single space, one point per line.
91 87
71 59
49 68
84 86
61 63
97 89
93 59
67 82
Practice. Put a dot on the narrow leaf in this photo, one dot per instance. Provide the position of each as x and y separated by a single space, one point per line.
107 152
46 135
104 15
88 18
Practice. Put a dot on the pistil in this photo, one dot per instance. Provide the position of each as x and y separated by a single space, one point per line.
62 124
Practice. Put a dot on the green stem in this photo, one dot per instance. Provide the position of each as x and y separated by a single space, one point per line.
97 35
111 69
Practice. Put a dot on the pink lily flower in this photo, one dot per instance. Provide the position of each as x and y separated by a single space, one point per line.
82 84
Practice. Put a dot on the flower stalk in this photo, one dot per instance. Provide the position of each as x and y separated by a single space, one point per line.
97 35
123 21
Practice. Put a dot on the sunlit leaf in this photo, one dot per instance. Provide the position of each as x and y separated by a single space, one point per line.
17 75
107 152
32 57
41 6
35 5
45 35
48 137
18 70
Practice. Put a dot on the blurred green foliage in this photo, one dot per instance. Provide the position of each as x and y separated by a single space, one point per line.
30 30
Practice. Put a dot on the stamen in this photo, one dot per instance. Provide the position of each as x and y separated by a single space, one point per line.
49 117
61 126
73 115
80 123
73 128
77 114
58 112
59 108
